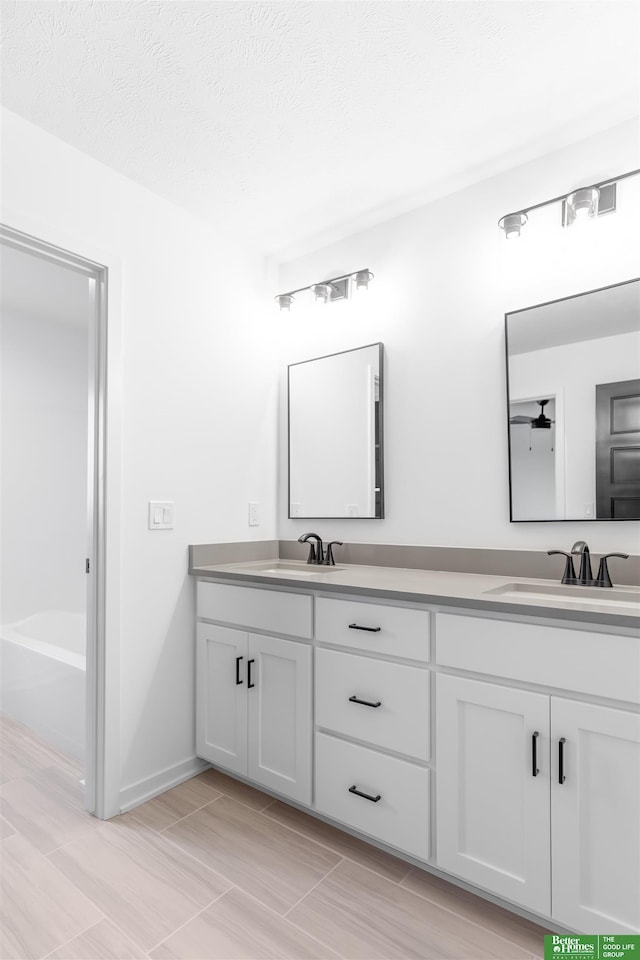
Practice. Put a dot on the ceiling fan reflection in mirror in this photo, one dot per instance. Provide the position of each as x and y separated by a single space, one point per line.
541 422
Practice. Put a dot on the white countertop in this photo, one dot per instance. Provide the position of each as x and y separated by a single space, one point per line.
619 606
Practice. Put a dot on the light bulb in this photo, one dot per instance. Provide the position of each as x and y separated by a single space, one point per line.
321 292
512 224
284 301
363 279
582 205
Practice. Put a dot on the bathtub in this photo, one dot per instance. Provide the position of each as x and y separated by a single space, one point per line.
43 677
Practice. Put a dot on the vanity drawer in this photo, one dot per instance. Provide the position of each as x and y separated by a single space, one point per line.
602 664
400 817
271 611
400 723
373 627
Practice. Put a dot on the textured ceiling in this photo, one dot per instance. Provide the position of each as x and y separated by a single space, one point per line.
290 118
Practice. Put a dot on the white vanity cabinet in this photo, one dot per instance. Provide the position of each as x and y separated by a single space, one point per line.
492 813
373 721
253 691
524 735
221 696
595 817
538 795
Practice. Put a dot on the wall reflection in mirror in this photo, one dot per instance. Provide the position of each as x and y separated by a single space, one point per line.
573 383
335 435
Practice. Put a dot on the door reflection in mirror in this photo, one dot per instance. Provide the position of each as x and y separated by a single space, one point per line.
573 386
336 435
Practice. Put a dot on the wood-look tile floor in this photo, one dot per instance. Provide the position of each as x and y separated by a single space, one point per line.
215 870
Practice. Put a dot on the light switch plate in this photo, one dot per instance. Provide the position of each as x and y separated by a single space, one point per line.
161 514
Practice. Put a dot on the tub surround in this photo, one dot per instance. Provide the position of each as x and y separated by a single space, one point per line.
43 677
445 588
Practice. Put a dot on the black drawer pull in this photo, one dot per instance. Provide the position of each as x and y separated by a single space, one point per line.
366 796
534 754
365 703
238 678
249 684
355 626
561 776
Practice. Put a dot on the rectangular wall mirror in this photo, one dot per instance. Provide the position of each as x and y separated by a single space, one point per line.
573 394
335 435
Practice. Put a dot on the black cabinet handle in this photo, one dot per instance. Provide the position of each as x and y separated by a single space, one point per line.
561 776
249 684
534 753
365 703
355 626
238 678
366 796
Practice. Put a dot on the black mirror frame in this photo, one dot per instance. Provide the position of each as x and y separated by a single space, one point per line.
546 303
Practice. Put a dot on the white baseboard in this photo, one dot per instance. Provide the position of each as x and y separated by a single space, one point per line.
151 787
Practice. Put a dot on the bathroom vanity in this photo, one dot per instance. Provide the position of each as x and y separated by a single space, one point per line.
486 730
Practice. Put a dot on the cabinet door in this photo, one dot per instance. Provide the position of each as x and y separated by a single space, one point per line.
280 716
595 815
221 696
492 812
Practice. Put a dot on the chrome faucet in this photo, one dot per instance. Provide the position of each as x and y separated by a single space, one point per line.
316 555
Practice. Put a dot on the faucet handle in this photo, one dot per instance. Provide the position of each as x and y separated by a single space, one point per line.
569 575
603 579
328 560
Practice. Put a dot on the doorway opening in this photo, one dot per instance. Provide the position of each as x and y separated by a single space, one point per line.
52 469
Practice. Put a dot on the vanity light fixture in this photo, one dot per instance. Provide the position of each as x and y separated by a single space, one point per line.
512 224
322 292
582 204
363 279
327 291
284 301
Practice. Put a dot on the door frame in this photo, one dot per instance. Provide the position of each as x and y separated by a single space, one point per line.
102 774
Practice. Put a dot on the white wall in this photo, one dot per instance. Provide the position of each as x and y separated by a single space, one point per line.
572 371
444 278
43 402
198 411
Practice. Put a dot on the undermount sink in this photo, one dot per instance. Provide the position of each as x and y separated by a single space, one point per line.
568 594
290 568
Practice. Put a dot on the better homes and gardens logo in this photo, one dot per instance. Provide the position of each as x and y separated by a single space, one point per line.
572 946
617 947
